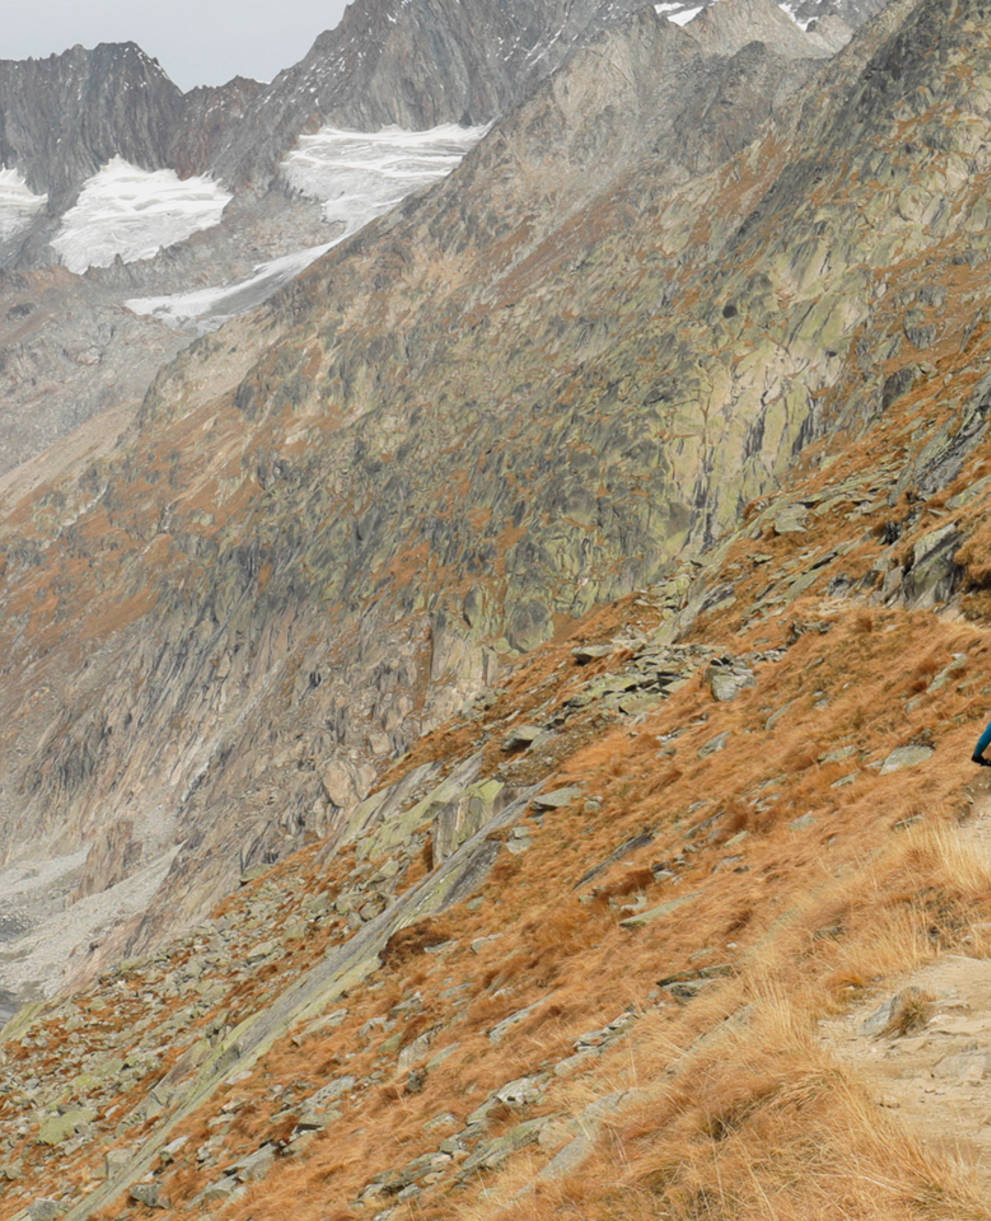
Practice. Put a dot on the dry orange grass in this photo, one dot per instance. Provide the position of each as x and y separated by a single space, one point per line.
739 1113
741 1118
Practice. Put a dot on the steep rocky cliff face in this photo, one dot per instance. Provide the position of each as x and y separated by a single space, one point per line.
209 115
725 29
57 332
852 12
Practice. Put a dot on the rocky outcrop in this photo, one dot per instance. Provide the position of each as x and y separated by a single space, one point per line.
853 13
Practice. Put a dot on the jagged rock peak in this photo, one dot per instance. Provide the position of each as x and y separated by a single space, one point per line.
417 66
727 26
63 117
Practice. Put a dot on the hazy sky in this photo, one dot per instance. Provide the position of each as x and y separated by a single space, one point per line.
197 42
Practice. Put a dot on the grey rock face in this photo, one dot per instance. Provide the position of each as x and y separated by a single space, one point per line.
819 17
415 65
209 114
63 117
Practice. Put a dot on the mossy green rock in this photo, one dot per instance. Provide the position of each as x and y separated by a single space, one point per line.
56 1129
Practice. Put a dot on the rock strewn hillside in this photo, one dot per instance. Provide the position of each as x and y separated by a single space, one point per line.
568 958
736 456
321 507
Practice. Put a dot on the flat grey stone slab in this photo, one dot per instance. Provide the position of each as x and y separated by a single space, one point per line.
656 913
905 756
557 798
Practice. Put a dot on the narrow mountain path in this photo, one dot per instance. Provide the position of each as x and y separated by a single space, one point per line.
923 1045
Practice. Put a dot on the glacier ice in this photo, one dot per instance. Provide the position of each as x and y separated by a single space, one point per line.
358 175
18 204
123 210
214 306
679 18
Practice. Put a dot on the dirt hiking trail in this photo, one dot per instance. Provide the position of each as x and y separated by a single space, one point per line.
923 1043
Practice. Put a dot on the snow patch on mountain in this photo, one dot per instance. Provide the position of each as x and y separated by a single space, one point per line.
681 13
790 10
678 13
212 307
134 213
359 175
356 176
18 204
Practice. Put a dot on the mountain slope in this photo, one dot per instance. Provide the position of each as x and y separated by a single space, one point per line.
314 492
695 414
569 958
313 516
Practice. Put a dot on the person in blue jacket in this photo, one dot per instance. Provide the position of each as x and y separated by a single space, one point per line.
983 742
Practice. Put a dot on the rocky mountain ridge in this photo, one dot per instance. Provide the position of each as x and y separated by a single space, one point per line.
388 62
65 116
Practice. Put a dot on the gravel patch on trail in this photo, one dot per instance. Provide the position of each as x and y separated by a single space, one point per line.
937 1078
